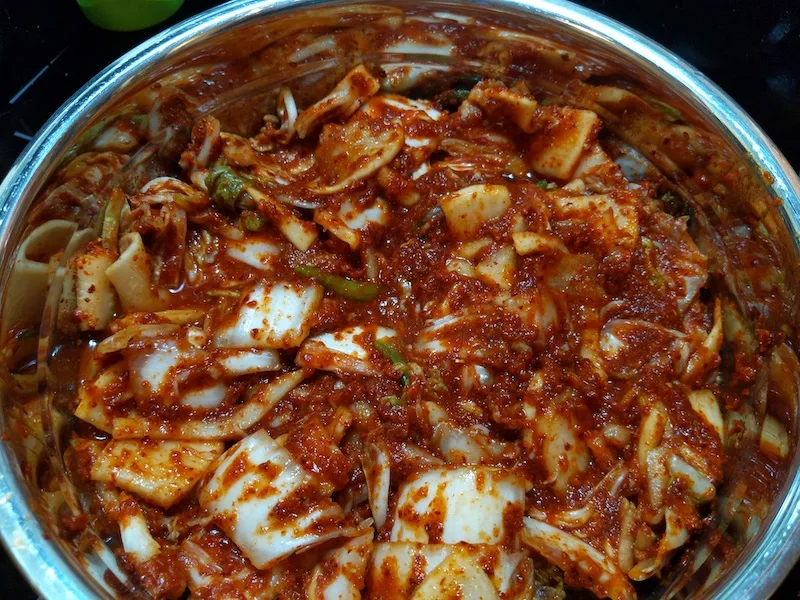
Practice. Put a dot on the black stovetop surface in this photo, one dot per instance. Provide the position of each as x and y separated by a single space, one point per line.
751 49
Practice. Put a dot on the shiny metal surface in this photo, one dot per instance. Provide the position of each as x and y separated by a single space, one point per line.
55 575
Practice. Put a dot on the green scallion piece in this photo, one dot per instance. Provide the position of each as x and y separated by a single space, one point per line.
390 351
342 286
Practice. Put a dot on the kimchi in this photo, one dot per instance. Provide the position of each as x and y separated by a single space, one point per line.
391 346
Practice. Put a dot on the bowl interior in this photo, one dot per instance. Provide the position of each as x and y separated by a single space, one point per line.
231 62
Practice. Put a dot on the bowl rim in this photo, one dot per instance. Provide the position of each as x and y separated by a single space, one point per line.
756 575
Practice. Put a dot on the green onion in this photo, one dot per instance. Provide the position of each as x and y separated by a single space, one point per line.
253 221
394 400
342 286
390 351
546 185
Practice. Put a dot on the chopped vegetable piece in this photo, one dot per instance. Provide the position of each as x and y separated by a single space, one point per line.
161 472
529 242
440 505
225 186
247 494
342 286
556 149
774 438
390 351
498 268
469 208
503 103
343 350
300 232
276 315
567 551
111 216
253 221
399 569
456 577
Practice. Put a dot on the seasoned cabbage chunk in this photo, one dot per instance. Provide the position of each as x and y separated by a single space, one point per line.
345 351
259 254
462 445
267 503
153 370
301 233
568 132
340 573
440 506
499 101
162 472
273 315
498 268
564 452
92 396
456 577
705 404
131 274
612 218
469 208
243 362
344 100
400 569
601 575
233 425
211 569
350 221
376 465
136 538
95 298
352 152
442 335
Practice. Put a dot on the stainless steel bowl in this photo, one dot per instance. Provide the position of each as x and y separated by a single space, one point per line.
238 27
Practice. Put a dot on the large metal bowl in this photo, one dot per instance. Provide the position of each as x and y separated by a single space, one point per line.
57 572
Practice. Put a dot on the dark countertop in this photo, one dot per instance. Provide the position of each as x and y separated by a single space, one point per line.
751 49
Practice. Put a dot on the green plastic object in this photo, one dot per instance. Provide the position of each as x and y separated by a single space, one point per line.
128 15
